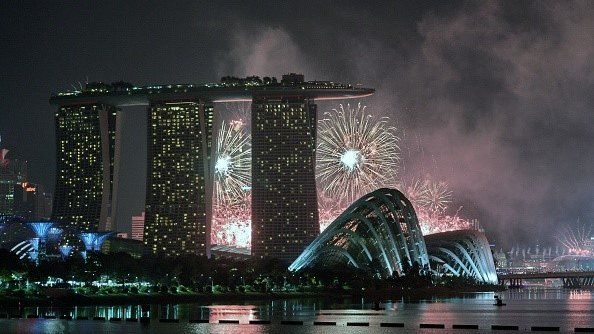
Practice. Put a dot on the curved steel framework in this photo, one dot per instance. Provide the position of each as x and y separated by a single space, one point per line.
463 253
378 233
25 247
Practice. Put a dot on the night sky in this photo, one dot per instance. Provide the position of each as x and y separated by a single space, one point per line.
497 98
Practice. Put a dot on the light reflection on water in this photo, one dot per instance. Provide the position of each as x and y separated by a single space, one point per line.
525 307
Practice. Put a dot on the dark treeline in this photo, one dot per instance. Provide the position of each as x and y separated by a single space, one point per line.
124 274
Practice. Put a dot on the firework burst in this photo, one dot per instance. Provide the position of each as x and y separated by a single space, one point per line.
415 190
231 223
328 211
575 240
431 201
233 232
435 197
356 154
239 112
233 163
431 224
427 195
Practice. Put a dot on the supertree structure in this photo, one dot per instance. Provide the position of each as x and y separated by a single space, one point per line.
65 251
42 231
94 240
41 228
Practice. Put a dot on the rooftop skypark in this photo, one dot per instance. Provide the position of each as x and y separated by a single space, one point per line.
228 89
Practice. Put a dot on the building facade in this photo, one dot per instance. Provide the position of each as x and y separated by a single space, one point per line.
137 232
18 197
284 201
35 203
12 177
177 205
179 175
85 158
134 248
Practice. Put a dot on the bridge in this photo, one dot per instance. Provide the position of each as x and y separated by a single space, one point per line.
571 279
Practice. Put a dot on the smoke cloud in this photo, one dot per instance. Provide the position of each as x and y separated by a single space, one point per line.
497 96
494 97
513 103
265 52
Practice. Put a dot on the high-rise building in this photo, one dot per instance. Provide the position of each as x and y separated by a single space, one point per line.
177 205
18 197
12 176
179 185
137 232
120 244
34 202
123 235
284 200
85 158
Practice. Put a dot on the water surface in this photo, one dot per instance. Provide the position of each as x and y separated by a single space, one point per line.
566 309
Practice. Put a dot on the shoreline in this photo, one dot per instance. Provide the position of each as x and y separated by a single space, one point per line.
431 293
73 299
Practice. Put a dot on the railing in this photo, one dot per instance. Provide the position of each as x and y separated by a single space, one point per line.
550 274
571 279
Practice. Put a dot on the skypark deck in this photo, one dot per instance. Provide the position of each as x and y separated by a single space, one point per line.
228 90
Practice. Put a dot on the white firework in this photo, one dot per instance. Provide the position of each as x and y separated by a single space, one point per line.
231 224
415 190
357 153
328 211
435 197
232 169
431 201
575 240
239 112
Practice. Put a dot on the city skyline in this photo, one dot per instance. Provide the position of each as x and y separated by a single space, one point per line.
180 167
515 141
297 166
